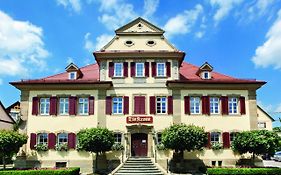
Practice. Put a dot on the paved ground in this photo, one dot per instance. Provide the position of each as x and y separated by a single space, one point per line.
271 163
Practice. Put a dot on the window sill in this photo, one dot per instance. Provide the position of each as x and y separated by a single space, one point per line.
118 77
160 77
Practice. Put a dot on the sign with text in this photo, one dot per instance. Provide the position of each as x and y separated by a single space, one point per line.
139 119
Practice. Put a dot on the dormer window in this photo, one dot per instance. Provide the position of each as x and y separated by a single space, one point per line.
205 71
118 69
206 75
72 75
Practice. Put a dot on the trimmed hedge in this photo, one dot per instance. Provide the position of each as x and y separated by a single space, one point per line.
70 171
236 171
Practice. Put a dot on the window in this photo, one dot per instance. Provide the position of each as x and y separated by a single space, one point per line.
194 105
159 138
129 43
139 69
261 125
118 137
64 105
161 69
62 138
206 75
117 105
150 43
118 69
72 75
232 136
61 164
44 106
42 138
161 105
83 106
232 105
215 137
214 105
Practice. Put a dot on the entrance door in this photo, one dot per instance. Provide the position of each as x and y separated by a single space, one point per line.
139 144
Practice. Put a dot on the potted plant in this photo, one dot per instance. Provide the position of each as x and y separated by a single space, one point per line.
41 147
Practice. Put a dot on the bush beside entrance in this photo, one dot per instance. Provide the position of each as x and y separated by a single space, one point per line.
237 171
70 171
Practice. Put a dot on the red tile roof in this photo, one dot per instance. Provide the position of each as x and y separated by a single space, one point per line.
91 75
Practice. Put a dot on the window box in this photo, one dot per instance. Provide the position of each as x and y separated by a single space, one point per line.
41 147
61 147
117 147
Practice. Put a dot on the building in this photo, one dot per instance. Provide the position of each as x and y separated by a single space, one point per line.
6 121
264 119
139 86
14 110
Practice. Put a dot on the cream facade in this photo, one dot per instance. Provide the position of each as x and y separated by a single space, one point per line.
139 86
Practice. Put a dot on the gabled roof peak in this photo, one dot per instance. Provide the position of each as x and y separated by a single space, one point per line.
206 66
71 66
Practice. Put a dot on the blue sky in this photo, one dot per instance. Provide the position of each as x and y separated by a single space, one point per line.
241 38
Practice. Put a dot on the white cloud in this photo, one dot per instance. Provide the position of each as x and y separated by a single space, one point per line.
223 8
21 47
72 4
150 7
199 34
89 45
102 40
269 54
183 22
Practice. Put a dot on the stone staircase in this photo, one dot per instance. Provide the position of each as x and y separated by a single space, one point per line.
139 166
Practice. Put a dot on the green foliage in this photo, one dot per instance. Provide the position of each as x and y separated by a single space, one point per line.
69 171
61 147
217 146
161 146
10 143
277 129
117 147
41 147
236 171
256 142
182 137
95 140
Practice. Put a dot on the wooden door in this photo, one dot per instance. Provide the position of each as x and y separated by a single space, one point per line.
139 144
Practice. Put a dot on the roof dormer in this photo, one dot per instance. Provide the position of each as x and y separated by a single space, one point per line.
205 71
74 72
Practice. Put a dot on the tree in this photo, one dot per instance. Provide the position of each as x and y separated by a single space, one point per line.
256 142
182 137
95 140
10 143
277 129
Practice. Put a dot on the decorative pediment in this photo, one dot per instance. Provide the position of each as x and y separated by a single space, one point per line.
139 25
74 71
206 67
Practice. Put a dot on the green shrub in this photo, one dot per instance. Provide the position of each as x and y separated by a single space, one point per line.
117 147
236 171
160 147
41 147
217 146
70 171
62 147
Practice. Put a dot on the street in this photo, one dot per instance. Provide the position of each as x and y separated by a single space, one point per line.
271 163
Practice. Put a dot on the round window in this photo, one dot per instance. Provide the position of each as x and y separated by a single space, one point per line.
150 43
129 43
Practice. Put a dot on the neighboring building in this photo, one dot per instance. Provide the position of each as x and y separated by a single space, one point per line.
264 119
6 121
14 110
139 86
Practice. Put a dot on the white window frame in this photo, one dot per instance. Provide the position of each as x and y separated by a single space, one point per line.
62 136
83 106
118 137
232 136
164 69
115 70
142 64
215 137
231 107
44 106
213 102
262 125
64 106
74 75
206 73
161 103
195 103
118 102
44 137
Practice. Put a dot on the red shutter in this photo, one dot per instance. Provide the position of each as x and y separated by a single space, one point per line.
126 105
51 140
226 140
53 106
139 105
125 68
146 72
206 105
152 104
153 67
72 105
168 69
32 140
35 105
170 104
203 99
209 140
91 105
187 105
108 105
111 69
133 69
208 112
242 106
224 105
71 140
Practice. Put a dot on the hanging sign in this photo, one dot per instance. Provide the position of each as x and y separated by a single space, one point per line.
139 119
